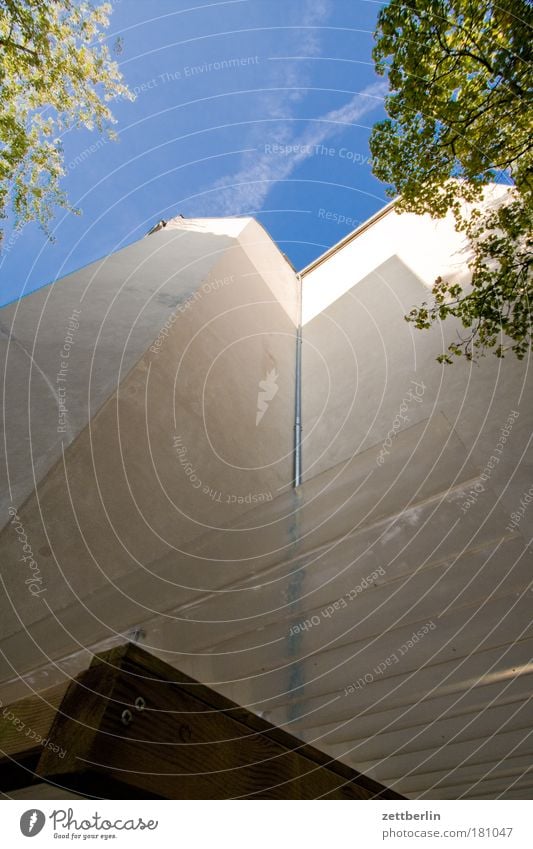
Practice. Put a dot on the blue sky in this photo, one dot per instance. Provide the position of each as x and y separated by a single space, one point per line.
246 107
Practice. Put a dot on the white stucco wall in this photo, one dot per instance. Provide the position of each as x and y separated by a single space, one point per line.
367 550
175 337
427 246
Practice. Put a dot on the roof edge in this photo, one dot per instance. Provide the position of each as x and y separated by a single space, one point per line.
350 237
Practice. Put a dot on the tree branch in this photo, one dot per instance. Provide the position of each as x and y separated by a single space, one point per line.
10 43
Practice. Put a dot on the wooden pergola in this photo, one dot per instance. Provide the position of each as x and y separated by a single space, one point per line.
131 726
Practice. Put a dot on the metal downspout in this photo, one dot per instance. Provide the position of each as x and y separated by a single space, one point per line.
298 393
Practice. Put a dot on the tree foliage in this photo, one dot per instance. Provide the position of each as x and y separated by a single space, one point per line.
56 74
460 117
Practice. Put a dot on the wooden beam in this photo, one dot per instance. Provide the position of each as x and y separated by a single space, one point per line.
133 726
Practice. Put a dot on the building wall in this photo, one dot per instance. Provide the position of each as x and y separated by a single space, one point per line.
98 322
303 607
427 246
163 444
447 716
362 362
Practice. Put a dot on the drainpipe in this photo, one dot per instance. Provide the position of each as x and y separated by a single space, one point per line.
298 393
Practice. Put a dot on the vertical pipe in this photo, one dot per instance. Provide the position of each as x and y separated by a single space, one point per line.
298 393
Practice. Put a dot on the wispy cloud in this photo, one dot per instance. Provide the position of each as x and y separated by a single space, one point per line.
246 189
